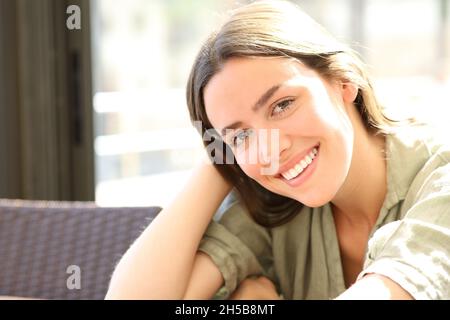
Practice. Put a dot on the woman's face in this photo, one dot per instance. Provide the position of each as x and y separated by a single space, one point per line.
278 113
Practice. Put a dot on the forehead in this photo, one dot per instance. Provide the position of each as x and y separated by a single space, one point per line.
231 93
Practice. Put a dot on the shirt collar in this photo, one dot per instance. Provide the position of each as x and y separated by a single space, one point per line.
406 154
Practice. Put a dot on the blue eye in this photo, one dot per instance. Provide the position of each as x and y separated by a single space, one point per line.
240 137
282 106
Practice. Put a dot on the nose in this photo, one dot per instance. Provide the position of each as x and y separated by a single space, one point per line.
272 146
285 143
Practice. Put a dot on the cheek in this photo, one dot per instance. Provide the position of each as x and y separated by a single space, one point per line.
332 113
256 173
250 169
331 121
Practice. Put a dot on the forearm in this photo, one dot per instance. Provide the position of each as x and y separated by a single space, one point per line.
159 264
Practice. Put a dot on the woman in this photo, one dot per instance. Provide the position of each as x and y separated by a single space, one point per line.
340 202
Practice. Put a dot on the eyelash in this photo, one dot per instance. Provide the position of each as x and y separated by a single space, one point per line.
233 139
289 101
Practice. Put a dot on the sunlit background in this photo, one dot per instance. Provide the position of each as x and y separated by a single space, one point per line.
143 50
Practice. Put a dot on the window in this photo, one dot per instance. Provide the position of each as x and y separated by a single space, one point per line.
142 51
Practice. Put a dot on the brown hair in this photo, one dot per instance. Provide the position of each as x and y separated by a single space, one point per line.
278 29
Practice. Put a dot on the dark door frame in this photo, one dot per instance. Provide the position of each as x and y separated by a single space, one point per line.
46 130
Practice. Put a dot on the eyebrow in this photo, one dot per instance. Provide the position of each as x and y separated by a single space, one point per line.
261 102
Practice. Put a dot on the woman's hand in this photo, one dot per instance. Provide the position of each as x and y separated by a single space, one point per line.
260 288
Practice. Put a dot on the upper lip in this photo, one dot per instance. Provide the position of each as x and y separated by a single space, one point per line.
291 163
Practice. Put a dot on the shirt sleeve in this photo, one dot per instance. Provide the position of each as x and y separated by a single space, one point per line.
239 247
415 251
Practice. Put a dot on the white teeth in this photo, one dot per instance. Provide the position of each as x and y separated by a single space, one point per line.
286 175
304 164
292 172
299 167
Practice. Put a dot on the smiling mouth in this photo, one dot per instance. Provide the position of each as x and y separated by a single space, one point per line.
299 167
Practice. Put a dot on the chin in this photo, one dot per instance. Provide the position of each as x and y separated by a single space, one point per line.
313 201
315 204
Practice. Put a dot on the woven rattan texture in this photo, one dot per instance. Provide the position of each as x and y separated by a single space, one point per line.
40 240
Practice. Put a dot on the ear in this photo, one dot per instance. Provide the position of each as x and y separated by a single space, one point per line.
349 92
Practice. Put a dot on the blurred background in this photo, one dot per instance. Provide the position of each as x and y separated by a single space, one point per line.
116 128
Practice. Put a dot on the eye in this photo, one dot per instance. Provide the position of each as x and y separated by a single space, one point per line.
240 137
281 107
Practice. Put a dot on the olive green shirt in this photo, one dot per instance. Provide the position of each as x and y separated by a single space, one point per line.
410 242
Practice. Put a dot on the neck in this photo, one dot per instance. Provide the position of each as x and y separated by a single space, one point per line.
361 197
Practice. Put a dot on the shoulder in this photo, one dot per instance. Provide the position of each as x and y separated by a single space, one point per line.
422 140
418 158
432 180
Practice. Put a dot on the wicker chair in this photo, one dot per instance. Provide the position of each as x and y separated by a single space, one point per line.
44 244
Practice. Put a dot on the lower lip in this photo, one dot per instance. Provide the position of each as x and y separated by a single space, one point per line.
305 174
